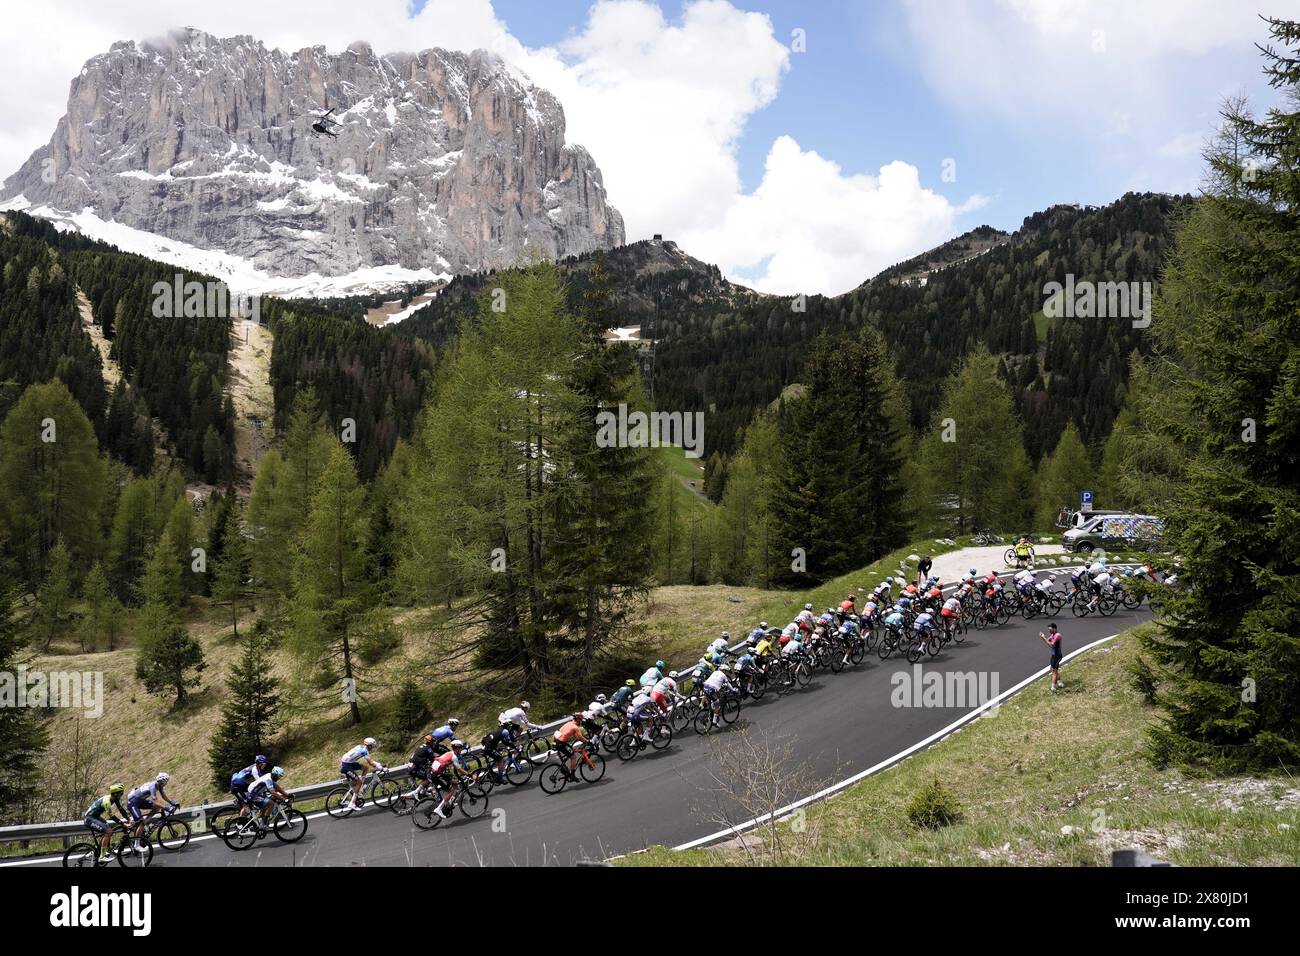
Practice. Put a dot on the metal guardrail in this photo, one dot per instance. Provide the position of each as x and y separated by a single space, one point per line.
65 830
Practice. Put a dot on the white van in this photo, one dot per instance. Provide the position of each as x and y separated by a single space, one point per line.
1113 531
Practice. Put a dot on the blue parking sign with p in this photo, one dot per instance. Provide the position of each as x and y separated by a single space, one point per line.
1085 500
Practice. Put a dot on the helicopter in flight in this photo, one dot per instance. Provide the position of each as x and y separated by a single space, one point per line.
324 124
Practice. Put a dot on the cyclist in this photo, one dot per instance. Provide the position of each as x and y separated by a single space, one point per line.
950 613
447 768
789 633
355 762
923 626
805 619
266 789
494 746
111 804
623 696
423 758
652 674
847 606
565 738
664 692
757 634
718 682
444 735
720 645
848 632
146 798
970 576
516 719
746 666
240 780
1024 552
1100 585
1024 580
638 714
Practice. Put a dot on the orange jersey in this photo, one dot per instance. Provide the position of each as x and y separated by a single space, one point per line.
568 732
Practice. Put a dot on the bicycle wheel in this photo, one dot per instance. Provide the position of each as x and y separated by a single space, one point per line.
81 855
1108 606
423 816
537 747
385 792
683 714
857 652
1079 608
289 825
338 803
240 833
128 853
661 735
553 778
1009 556
886 647
704 722
217 822
933 645
758 686
173 834
837 660
519 769
730 710
627 748
802 673
591 769
958 631
473 802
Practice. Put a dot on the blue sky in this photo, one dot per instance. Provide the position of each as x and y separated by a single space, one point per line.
793 171
858 97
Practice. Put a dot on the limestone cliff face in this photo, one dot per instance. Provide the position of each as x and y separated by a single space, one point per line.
444 160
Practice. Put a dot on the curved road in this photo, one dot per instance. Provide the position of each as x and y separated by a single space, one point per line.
840 725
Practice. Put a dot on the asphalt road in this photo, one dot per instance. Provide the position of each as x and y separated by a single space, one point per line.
838 725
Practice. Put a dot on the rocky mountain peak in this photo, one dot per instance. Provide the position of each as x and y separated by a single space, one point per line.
444 161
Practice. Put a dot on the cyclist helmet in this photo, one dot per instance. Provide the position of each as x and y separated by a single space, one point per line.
660 665
524 705
726 635
277 772
807 607
458 745
579 717
369 741
973 572
428 738
601 698
673 675
453 723
162 778
853 597
630 683
116 788
260 758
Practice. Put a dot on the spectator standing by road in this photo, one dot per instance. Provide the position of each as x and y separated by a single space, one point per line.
923 569
1053 640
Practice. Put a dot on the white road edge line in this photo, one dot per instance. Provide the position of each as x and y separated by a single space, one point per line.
886 763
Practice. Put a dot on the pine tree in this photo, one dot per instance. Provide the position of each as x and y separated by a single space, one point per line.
248 715
272 526
410 711
973 460
231 571
1062 475
103 611
52 481
331 591
54 596
23 735
1226 395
